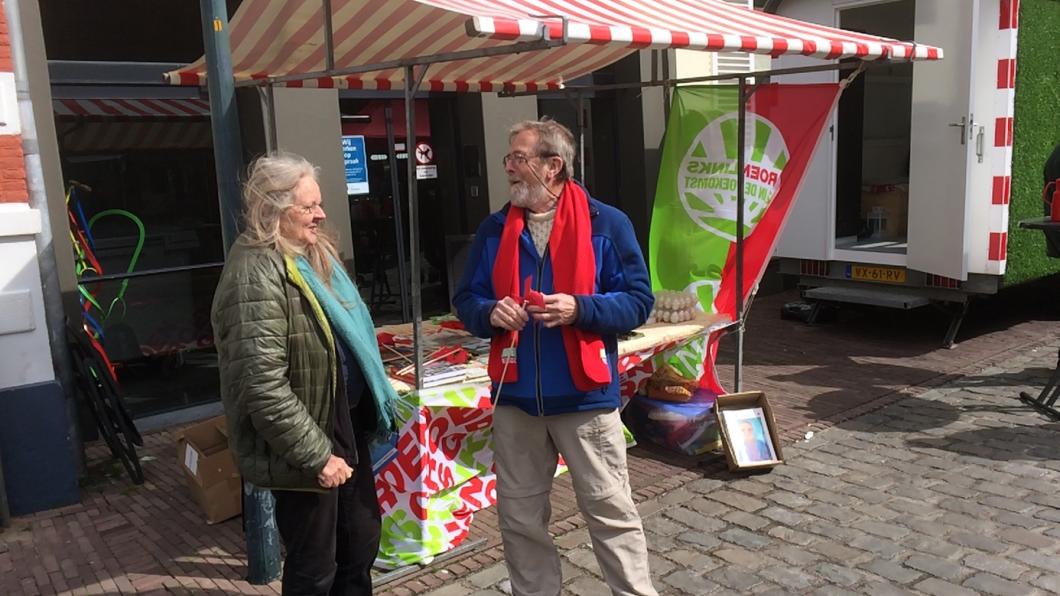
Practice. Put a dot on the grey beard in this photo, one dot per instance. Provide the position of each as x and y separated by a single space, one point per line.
527 197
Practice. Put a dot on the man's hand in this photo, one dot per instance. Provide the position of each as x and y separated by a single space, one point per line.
335 473
560 309
508 315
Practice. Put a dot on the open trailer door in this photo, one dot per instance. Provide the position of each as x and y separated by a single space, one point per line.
943 139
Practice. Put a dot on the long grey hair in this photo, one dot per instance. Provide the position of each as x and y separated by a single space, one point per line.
268 195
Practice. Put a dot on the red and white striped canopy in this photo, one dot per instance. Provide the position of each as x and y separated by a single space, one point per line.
104 136
285 37
132 108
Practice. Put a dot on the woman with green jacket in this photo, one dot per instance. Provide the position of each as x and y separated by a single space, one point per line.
301 380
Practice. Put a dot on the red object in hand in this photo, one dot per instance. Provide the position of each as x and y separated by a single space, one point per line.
532 296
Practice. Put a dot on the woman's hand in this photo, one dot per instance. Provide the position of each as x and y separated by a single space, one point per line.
335 473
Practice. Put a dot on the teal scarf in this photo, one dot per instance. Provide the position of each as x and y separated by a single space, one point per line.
351 323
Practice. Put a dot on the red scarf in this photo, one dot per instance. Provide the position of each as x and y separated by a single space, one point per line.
573 272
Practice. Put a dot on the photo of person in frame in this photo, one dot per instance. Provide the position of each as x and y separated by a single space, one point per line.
748 434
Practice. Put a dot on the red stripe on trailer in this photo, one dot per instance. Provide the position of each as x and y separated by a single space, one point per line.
1003 132
1002 190
1006 73
998 246
1005 18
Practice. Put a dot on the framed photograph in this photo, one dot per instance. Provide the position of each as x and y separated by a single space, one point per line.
748 431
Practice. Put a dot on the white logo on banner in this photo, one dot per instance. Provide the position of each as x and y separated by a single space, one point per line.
707 180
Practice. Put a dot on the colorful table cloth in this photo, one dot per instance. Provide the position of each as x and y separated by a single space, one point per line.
439 470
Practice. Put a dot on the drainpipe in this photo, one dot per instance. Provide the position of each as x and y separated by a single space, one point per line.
55 316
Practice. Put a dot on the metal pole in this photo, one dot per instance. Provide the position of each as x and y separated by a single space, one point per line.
666 86
395 190
268 115
581 137
259 526
412 82
224 119
261 534
722 77
740 159
259 506
44 241
329 37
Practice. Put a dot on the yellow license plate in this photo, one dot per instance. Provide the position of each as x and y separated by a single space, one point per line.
880 274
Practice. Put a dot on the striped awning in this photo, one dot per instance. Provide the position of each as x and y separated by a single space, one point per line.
120 135
132 108
272 38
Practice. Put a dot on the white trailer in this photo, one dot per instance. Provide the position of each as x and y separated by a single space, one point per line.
906 201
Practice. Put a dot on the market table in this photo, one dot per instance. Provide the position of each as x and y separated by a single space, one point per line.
1046 400
438 471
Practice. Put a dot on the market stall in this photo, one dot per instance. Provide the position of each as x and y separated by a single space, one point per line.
483 46
438 471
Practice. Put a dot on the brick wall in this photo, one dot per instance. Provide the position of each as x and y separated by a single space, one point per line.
5 44
12 165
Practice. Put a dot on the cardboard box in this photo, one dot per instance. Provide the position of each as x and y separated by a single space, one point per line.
885 210
751 409
213 479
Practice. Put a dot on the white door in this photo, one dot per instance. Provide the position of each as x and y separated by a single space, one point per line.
942 139
809 232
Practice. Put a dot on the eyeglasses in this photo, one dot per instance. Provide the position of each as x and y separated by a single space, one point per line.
522 158
307 209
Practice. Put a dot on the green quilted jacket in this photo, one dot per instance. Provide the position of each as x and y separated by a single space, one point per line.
278 369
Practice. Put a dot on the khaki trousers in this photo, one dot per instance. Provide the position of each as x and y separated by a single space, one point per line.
526 449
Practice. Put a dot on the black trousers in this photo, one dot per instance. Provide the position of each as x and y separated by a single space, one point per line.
331 538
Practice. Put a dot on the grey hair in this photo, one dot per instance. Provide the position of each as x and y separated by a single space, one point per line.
552 139
267 194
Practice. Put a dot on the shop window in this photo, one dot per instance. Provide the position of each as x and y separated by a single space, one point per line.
144 213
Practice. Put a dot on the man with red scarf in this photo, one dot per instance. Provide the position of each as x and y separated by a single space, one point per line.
552 279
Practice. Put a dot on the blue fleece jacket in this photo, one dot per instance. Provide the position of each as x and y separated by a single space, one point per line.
621 301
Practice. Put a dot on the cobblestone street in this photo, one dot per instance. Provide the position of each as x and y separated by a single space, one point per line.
925 474
951 492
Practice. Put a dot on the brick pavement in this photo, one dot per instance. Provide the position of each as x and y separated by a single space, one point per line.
951 492
124 539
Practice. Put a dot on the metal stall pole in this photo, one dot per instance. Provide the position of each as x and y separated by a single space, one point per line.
740 159
224 119
412 83
581 136
395 189
259 506
666 86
